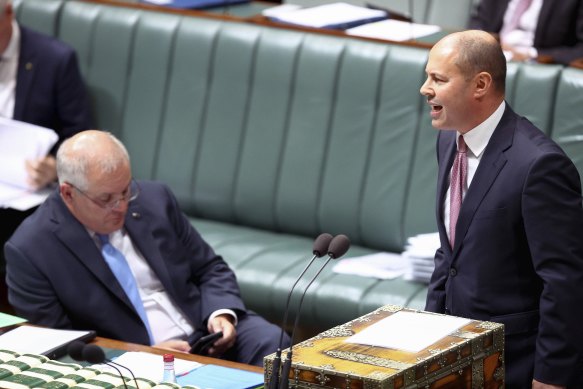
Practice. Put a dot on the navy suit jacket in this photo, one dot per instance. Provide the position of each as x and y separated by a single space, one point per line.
49 88
58 278
518 255
559 32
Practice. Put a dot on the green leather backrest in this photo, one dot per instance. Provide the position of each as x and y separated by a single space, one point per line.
531 90
567 128
449 14
41 15
272 128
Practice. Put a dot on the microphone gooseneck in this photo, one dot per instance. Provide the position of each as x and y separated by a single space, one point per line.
94 354
319 249
338 246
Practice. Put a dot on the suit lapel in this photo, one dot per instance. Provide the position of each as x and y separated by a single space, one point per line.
24 75
490 166
447 149
137 225
74 235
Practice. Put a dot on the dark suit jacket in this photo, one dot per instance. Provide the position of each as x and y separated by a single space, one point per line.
559 32
49 88
58 278
518 256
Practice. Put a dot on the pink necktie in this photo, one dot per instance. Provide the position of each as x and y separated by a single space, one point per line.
459 176
514 21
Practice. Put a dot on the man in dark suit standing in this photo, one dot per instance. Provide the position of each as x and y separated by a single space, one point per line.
40 83
173 288
534 28
509 217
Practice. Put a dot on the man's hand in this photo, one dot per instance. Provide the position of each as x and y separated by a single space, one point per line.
41 172
222 323
174 345
539 385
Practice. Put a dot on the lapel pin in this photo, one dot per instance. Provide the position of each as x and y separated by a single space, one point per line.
136 215
28 66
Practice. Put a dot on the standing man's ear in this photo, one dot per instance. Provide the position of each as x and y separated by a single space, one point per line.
483 84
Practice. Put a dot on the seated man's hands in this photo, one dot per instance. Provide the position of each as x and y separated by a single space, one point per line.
174 345
41 172
222 323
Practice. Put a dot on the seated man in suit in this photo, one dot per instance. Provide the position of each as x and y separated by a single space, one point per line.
531 29
75 273
40 83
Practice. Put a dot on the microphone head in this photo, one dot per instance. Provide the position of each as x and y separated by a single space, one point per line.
75 350
338 246
93 354
321 244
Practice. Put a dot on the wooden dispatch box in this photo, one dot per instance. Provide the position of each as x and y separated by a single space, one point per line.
470 357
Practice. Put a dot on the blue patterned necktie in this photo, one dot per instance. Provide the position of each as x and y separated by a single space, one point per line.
120 268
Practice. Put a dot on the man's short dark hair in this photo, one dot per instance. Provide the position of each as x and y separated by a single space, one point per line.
477 54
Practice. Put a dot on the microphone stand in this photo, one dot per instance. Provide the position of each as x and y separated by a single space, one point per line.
284 383
320 244
338 247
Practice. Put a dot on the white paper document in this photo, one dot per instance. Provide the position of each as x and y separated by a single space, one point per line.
20 142
394 30
38 340
330 15
151 366
409 331
384 266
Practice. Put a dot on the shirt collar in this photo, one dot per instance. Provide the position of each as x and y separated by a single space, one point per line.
13 47
478 137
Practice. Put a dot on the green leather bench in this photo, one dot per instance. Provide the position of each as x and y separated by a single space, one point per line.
271 136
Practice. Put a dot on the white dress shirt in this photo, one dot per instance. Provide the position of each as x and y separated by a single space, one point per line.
8 69
166 319
522 37
476 139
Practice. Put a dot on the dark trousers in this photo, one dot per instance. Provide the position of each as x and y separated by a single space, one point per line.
10 219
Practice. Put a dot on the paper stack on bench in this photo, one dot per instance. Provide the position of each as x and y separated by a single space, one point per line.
420 252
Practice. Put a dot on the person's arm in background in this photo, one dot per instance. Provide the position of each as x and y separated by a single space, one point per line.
73 115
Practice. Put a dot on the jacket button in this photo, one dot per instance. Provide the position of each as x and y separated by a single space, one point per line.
452 272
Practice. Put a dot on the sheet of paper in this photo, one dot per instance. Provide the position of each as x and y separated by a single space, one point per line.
394 30
37 340
379 265
409 331
332 14
22 199
20 142
151 366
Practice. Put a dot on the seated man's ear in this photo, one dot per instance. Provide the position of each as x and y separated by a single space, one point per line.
66 191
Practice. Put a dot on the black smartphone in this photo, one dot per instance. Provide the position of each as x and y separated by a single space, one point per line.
201 346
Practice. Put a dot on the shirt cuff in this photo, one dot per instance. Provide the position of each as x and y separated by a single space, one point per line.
224 312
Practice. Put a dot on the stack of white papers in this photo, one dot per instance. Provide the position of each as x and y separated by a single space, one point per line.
333 15
409 331
394 30
20 142
419 254
384 266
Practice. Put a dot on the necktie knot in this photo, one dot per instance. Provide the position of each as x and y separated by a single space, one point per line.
462 147
103 238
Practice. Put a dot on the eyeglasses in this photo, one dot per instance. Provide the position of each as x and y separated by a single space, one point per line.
130 194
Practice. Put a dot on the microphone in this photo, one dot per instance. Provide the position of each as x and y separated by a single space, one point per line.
93 354
320 249
338 247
